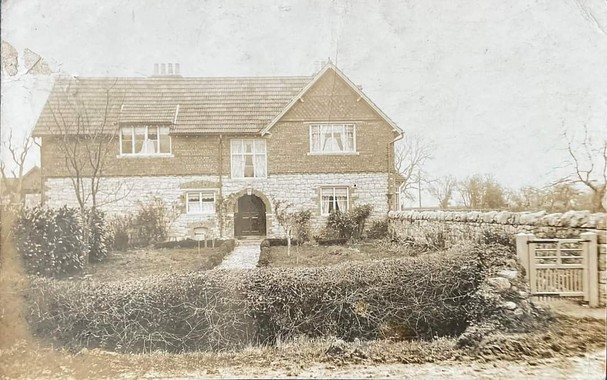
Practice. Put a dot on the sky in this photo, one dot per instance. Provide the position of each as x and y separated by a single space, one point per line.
492 84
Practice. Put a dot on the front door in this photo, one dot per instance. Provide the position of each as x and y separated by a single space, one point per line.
250 216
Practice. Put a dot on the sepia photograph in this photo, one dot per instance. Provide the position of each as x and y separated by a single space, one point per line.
297 189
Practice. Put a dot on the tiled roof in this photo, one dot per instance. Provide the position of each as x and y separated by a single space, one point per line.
192 105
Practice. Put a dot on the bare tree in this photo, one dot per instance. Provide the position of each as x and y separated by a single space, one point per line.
84 133
442 190
410 158
85 137
17 154
588 163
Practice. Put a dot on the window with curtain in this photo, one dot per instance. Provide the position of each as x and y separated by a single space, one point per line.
200 202
249 159
145 140
333 199
332 138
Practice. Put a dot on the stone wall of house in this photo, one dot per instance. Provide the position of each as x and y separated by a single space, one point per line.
122 195
471 225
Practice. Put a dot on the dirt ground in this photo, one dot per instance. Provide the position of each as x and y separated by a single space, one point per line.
587 367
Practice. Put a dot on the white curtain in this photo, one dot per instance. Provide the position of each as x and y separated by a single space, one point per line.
260 165
237 159
315 138
349 147
208 203
341 198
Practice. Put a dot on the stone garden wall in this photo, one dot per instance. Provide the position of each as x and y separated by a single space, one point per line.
454 226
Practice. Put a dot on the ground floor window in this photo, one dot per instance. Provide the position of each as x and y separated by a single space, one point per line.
333 199
200 202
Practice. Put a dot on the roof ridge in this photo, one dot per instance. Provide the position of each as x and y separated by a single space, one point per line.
164 78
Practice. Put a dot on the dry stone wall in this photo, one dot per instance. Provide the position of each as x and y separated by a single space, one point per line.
456 226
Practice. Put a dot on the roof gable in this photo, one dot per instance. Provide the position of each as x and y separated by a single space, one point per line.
344 80
189 105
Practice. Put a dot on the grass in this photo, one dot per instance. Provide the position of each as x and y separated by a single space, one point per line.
144 262
316 256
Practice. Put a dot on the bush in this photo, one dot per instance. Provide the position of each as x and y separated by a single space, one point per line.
424 297
348 225
264 257
489 236
340 225
379 229
99 236
150 225
50 241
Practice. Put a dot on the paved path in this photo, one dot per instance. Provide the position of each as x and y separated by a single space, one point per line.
244 256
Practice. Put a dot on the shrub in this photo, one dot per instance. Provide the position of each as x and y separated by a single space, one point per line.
100 236
423 297
359 216
379 229
150 225
346 225
119 233
264 257
490 236
50 241
341 225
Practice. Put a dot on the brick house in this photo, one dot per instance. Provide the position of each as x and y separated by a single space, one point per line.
218 151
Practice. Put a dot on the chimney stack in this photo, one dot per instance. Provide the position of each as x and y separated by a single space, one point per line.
167 69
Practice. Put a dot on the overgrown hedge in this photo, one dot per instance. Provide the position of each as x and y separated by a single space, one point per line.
421 297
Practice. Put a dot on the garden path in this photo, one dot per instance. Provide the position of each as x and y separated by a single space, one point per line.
244 256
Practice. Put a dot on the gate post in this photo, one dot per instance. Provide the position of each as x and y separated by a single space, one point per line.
522 250
591 253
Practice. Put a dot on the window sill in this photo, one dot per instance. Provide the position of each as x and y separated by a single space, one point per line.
333 154
249 178
162 155
201 213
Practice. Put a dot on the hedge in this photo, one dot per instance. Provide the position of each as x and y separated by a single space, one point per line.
420 297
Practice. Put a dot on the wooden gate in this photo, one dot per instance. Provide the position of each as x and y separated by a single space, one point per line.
561 267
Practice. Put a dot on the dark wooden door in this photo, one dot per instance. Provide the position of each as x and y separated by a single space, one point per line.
250 219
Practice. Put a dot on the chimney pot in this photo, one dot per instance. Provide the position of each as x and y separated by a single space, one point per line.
155 69
177 69
170 69
163 69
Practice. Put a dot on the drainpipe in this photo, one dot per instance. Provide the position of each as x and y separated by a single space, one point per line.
221 213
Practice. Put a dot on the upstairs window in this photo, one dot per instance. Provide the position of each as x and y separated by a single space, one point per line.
249 159
200 202
332 138
146 140
333 199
